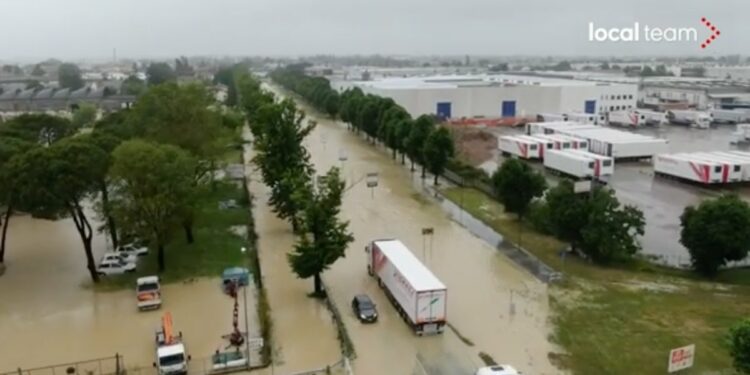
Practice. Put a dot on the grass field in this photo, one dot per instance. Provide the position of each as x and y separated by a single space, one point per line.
215 248
624 319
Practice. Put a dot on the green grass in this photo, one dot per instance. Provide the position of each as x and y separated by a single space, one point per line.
214 249
624 319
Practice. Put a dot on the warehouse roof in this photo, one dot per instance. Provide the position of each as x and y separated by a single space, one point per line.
457 81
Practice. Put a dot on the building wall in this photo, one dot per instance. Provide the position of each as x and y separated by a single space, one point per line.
530 100
694 97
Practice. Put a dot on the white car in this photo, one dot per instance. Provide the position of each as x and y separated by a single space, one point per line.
133 249
114 266
129 258
497 370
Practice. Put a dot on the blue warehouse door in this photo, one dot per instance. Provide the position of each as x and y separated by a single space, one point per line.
590 106
509 108
444 109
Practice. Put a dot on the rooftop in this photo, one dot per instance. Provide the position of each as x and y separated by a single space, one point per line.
485 80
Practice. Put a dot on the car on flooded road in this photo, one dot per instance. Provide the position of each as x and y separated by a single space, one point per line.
498 370
133 249
114 266
364 309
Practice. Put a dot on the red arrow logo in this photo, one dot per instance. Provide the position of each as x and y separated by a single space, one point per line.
714 32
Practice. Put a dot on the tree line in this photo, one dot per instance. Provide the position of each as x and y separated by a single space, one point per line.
141 170
380 119
310 202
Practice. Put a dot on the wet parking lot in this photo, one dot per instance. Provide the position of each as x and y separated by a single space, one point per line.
663 200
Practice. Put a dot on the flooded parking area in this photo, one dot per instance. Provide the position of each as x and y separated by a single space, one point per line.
662 200
493 305
49 313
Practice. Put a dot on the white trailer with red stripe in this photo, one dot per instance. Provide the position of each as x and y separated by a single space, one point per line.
739 163
628 118
579 163
697 168
419 297
533 128
521 146
584 118
618 144
562 142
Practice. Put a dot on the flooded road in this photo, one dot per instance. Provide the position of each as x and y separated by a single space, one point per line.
481 282
662 200
49 315
303 332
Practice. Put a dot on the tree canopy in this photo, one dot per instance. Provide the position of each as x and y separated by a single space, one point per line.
69 76
438 149
739 346
37 128
158 73
133 86
515 184
715 232
84 116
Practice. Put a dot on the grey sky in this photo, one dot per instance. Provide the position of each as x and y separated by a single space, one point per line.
71 29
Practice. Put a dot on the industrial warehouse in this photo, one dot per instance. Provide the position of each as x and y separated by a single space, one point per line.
505 96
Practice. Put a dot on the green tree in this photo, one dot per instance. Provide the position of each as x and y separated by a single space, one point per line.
567 213
420 130
323 237
611 229
182 67
107 143
158 73
9 148
739 346
84 116
133 86
402 136
152 184
516 184
33 85
368 117
53 183
716 231
38 71
37 128
331 103
438 149
69 76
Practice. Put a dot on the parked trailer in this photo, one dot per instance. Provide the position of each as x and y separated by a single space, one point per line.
692 168
561 142
583 118
523 147
729 116
551 117
630 119
697 119
554 127
619 144
417 294
740 162
579 164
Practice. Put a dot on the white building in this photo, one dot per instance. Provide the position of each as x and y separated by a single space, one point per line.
498 95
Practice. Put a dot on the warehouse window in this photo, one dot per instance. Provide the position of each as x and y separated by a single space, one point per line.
611 108
618 97
630 96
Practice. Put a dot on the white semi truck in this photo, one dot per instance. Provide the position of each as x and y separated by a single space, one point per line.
627 118
730 116
697 119
419 297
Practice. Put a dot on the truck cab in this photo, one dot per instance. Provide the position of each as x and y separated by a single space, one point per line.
148 292
171 355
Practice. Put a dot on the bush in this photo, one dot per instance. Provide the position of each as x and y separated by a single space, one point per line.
739 346
539 217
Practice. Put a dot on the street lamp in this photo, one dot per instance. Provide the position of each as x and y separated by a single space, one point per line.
372 182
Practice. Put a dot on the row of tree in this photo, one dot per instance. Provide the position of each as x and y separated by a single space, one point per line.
310 203
141 169
380 119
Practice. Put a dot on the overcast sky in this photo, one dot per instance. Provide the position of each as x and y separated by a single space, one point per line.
72 29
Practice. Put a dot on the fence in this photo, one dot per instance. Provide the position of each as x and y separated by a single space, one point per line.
200 366
684 261
114 365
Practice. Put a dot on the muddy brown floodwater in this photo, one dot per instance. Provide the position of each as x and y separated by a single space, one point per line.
49 315
501 309
304 335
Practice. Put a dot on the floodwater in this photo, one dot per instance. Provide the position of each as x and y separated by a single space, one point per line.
303 331
49 315
663 200
501 309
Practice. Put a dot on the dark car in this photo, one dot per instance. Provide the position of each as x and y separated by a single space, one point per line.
364 309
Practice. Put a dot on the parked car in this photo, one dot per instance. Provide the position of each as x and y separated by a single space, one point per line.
114 266
364 309
133 249
498 370
129 258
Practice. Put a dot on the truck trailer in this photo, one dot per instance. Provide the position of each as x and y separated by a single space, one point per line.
694 168
696 119
562 142
419 297
729 116
583 118
521 146
555 127
629 119
579 164
551 117
619 144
